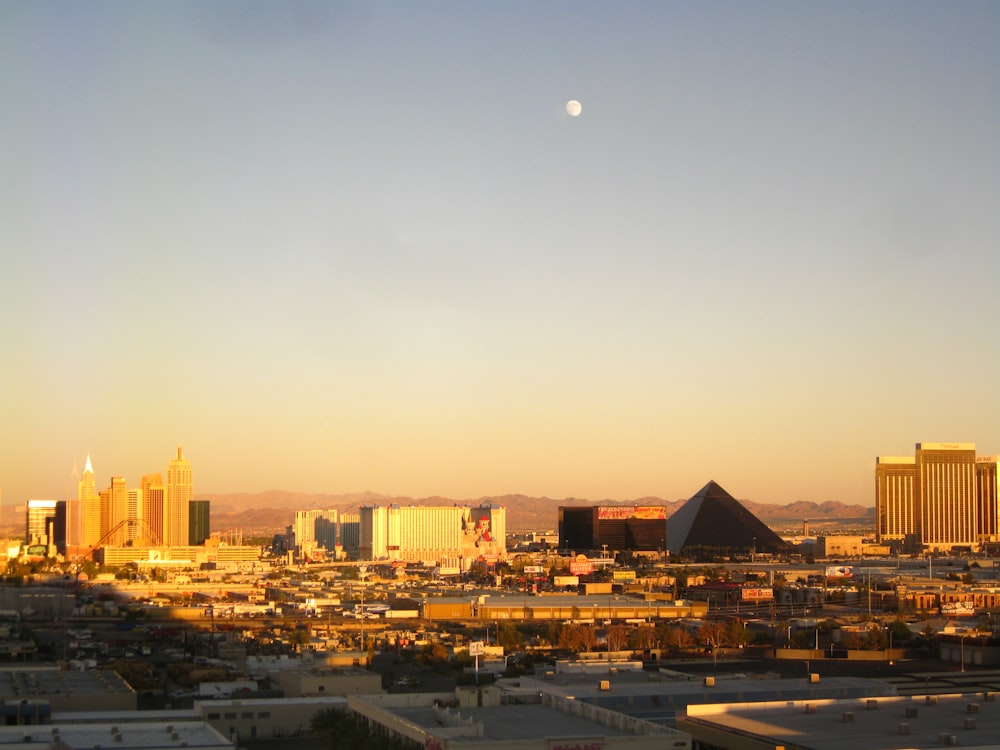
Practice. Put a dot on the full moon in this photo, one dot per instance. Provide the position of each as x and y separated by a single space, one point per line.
573 108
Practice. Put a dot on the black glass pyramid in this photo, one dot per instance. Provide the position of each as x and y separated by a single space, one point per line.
714 518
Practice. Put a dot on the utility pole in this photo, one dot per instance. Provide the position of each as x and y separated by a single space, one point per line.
362 572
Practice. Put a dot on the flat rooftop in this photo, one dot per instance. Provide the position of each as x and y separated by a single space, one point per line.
654 695
970 721
516 722
531 719
122 736
17 683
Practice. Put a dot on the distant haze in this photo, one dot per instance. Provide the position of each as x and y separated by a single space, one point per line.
273 511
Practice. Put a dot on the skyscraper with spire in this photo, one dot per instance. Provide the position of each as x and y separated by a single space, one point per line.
89 504
178 497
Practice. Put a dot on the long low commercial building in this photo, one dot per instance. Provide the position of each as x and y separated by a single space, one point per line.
870 724
662 696
151 735
476 718
570 607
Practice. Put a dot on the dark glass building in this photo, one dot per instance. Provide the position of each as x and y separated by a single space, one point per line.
198 522
617 527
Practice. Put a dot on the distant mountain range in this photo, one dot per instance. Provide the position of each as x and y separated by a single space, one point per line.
272 511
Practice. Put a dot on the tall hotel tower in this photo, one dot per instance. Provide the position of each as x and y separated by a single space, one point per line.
938 499
945 487
178 497
153 502
986 498
896 511
89 505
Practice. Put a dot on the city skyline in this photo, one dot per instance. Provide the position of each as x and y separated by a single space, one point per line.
336 248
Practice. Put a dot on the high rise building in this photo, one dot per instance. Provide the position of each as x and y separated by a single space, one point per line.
134 513
179 494
89 504
454 536
39 522
153 507
199 522
104 497
117 512
318 527
987 505
895 507
60 528
616 527
945 488
937 501
349 533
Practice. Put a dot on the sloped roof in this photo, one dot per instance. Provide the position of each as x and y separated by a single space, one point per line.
714 518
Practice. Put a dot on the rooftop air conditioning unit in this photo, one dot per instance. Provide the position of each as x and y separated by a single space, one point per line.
871 704
911 712
810 708
969 723
903 727
847 717
972 708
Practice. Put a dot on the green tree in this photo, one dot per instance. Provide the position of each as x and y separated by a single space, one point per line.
435 656
510 636
617 637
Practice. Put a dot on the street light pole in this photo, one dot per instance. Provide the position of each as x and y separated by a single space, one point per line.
362 572
962 653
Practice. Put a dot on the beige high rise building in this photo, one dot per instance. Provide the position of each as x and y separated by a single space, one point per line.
318 527
178 497
945 489
153 495
117 512
89 504
453 535
941 498
40 518
895 508
986 498
134 513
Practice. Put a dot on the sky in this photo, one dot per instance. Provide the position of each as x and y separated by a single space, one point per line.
331 247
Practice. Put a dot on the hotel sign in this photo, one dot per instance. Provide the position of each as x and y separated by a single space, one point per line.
617 513
651 512
625 512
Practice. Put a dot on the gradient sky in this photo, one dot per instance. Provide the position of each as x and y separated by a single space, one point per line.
334 247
